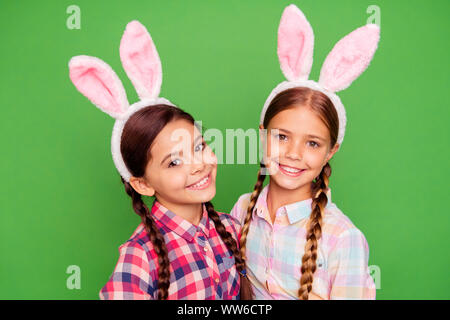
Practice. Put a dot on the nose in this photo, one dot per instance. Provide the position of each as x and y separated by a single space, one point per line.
197 167
294 150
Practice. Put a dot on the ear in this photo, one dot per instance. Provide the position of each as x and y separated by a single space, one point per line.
332 152
262 133
142 187
99 83
263 142
349 58
141 60
295 44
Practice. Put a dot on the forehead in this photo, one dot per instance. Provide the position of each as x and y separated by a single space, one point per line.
173 137
300 120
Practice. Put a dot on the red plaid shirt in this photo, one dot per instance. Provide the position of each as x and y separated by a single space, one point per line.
201 266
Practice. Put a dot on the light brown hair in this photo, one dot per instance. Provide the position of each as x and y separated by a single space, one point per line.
324 108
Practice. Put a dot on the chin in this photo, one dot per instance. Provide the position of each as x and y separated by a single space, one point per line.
211 195
288 184
202 196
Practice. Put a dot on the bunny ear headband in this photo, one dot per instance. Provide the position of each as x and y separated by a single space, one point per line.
346 61
100 84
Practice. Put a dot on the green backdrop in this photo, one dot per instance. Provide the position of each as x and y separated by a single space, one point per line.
62 202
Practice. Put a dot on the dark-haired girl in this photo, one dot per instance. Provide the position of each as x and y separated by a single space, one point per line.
183 248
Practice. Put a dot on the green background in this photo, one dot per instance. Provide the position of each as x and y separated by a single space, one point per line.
62 202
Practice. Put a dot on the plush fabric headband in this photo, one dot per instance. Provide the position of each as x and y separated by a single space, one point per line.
346 61
100 84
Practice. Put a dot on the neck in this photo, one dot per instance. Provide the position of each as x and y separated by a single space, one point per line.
278 197
192 212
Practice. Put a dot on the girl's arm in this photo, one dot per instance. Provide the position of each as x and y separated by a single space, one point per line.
131 278
348 268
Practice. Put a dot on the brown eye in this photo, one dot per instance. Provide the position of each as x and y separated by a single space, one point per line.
175 163
282 137
313 144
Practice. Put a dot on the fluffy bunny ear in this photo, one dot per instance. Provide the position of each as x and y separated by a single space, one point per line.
99 83
141 60
349 58
295 44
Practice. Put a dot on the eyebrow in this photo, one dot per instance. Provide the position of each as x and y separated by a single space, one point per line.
284 130
315 137
309 135
180 152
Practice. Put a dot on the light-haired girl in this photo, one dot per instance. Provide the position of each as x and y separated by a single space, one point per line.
183 249
295 241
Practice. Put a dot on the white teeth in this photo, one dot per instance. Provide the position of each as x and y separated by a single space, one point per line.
201 183
290 169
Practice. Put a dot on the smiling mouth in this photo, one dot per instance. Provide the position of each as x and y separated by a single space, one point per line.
201 184
290 171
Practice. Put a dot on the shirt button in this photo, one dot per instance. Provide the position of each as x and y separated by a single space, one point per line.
205 249
216 280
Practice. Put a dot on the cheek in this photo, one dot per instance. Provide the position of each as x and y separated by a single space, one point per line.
274 148
315 158
213 167
209 157
173 179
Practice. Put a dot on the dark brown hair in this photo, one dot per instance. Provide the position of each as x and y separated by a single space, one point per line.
324 108
138 134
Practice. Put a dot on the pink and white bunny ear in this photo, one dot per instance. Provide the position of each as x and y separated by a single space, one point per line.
99 83
295 44
349 58
141 60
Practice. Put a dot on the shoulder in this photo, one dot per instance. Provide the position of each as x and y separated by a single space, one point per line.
230 223
139 245
135 272
138 237
239 209
341 229
336 219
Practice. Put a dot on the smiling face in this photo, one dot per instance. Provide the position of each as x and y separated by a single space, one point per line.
182 168
298 146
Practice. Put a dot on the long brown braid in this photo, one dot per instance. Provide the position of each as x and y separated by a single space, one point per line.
245 287
254 196
156 239
314 232
246 225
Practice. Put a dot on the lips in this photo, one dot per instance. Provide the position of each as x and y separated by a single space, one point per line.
201 184
290 171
